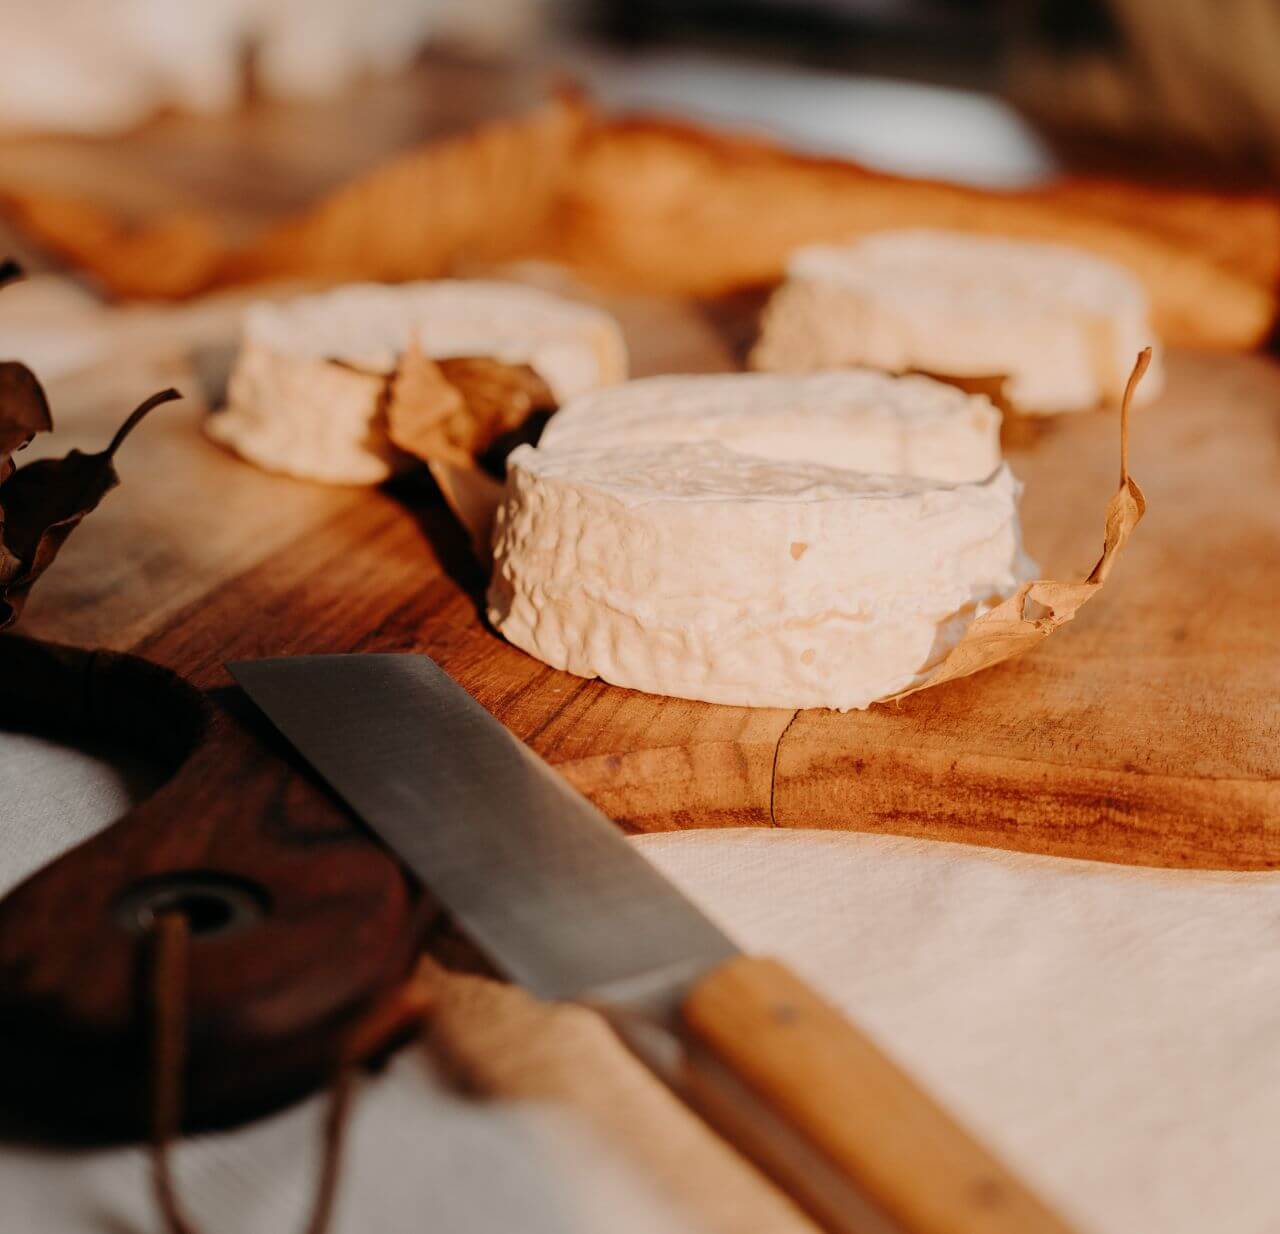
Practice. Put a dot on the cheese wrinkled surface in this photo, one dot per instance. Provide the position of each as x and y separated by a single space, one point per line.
668 535
307 389
1061 326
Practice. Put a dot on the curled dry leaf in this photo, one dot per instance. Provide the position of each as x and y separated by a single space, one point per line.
167 258
462 410
483 195
462 417
24 409
1038 608
43 504
674 209
24 412
474 497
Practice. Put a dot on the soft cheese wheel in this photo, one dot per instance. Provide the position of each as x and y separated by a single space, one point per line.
696 571
305 395
1063 326
860 420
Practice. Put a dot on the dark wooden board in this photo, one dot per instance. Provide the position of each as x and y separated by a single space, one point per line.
1145 732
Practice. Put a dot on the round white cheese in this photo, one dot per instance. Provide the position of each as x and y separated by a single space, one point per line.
696 566
1064 327
861 420
306 392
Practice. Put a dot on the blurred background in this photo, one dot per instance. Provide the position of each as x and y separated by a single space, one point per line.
997 92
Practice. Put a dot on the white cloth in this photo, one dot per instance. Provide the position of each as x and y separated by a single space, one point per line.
1109 1030
103 66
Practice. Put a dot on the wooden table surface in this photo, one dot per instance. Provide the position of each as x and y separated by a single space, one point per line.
1145 732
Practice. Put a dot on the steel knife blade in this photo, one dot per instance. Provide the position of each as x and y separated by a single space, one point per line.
539 879
554 895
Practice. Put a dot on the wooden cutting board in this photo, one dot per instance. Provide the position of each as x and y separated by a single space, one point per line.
1147 732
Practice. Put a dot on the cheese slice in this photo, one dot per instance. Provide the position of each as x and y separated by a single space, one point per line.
306 393
695 570
861 420
1062 326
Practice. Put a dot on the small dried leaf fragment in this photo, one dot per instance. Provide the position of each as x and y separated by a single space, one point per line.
45 501
484 195
473 496
169 258
24 409
1038 608
426 414
457 410
24 412
461 417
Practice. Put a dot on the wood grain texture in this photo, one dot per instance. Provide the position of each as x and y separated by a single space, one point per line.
844 1098
1147 732
266 1020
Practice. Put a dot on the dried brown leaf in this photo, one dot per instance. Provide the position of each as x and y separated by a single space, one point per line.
672 208
1038 608
485 195
426 413
675 209
168 258
462 416
462 409
24 409
474 497
481 196
24 412
45 501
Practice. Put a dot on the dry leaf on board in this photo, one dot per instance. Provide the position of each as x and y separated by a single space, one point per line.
670 208
168 258
481 196
474 497
462 416
1038 608
24 412
460 410
656 206
44 502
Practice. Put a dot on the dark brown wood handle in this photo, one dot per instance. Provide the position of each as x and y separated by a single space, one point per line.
300 921
848 1133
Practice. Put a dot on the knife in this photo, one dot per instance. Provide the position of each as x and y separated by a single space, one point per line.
547 887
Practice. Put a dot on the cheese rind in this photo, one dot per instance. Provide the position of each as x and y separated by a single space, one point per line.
1063 326
306 392
692 570
859 420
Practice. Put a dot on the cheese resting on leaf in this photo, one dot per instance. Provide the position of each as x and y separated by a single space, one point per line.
668 552
307 394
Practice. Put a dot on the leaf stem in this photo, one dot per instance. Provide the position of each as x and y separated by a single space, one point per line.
164 396
1140 366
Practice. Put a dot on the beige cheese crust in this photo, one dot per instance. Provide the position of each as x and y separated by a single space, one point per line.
859 420
1063 326
692 570
307 386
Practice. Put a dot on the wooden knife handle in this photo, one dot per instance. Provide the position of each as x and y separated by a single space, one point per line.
848 1133
300 921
